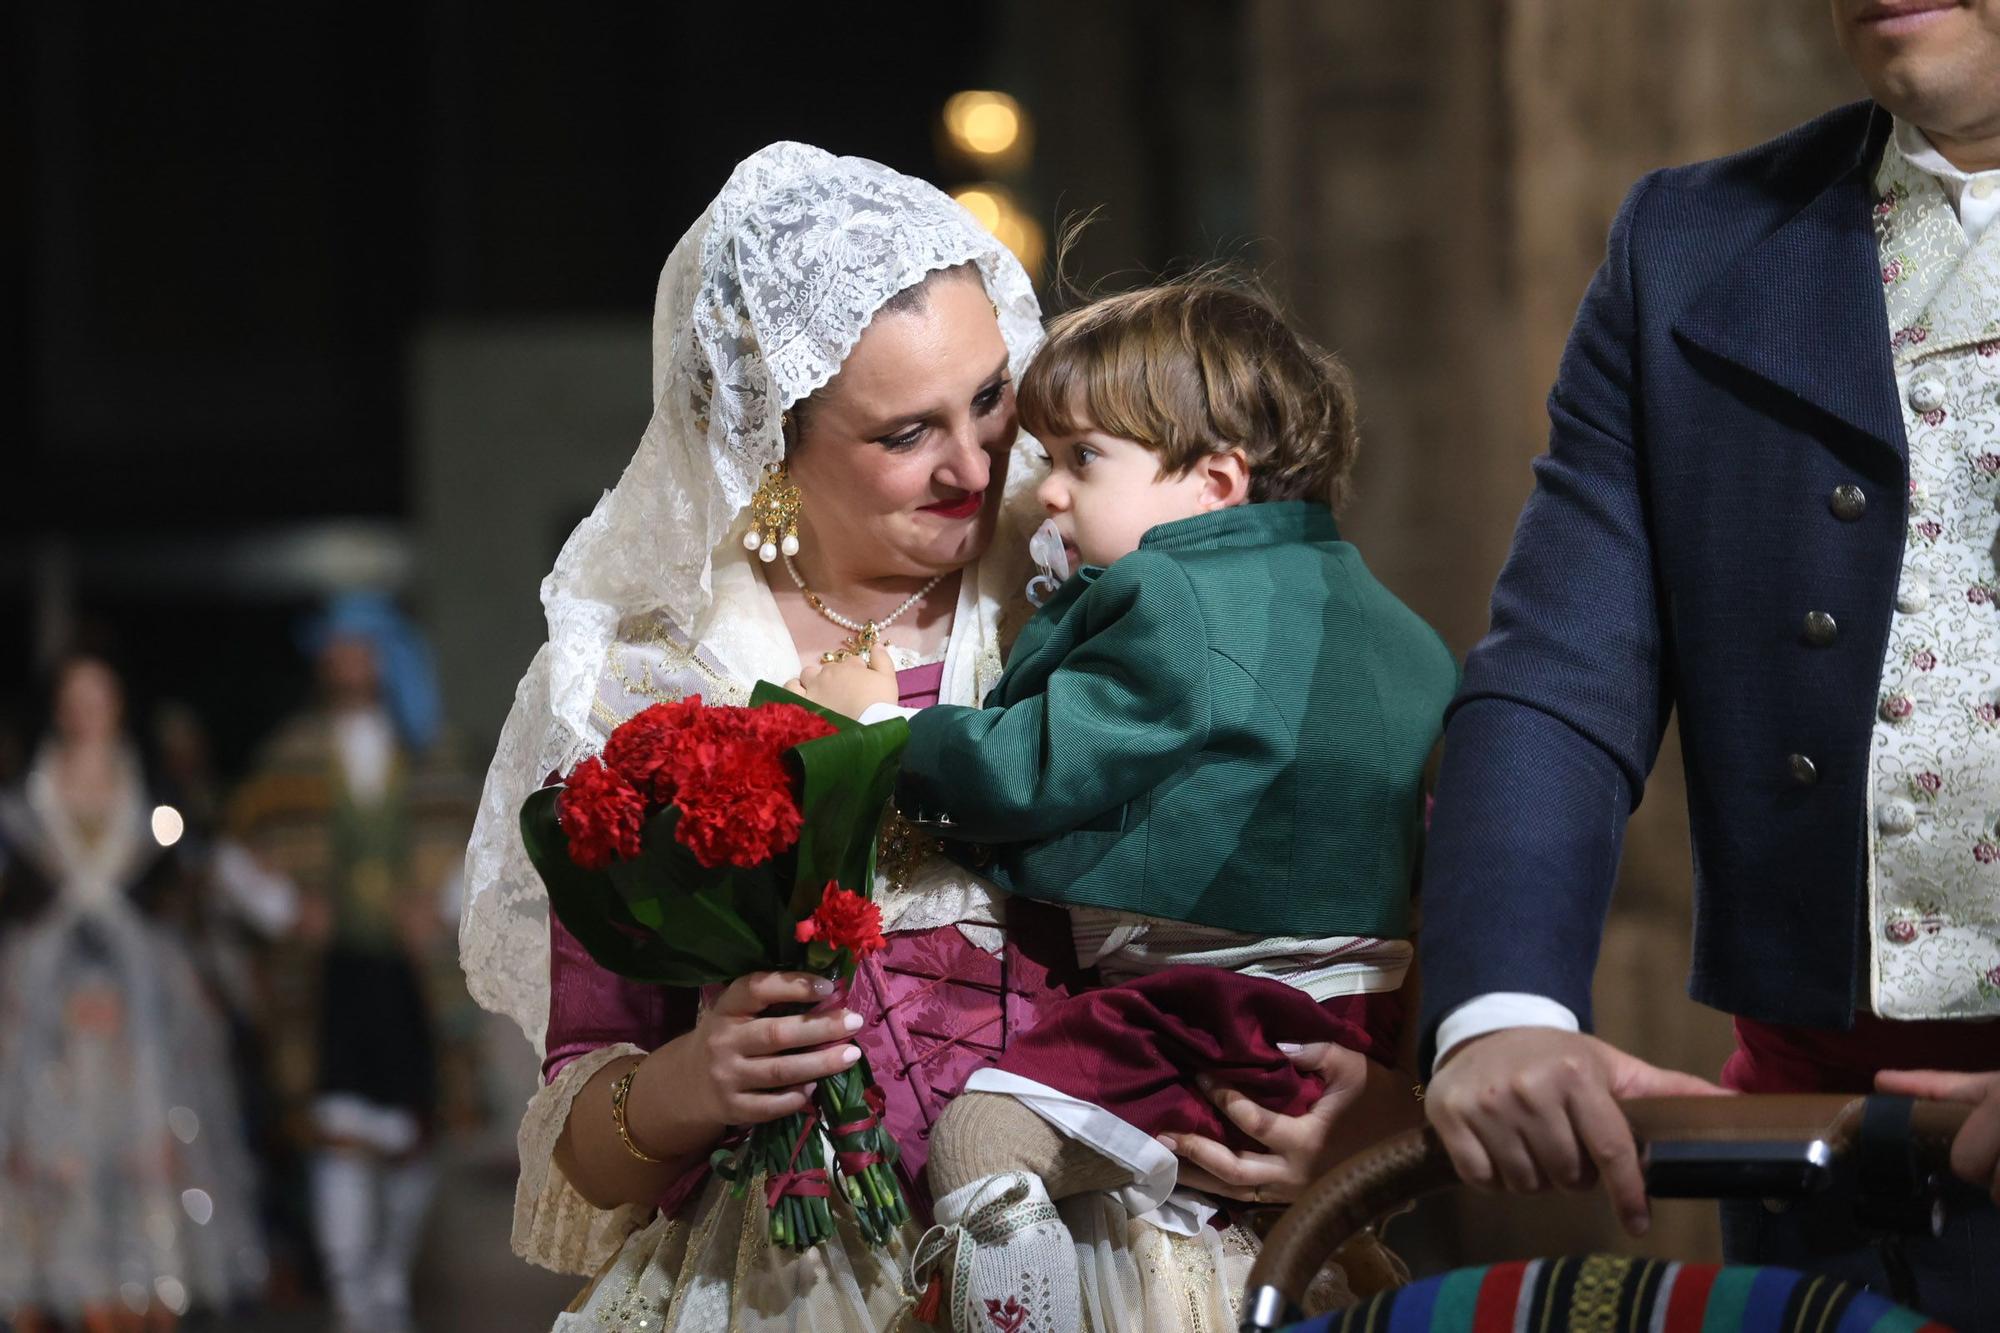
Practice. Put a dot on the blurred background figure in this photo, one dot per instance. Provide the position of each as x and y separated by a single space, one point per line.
308 301
126 1191
351 804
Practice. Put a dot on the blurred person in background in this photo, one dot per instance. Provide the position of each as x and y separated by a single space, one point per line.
232 914
126 1193
352 805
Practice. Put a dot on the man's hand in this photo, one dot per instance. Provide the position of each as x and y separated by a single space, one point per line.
850 686
1530 1108
1975 1153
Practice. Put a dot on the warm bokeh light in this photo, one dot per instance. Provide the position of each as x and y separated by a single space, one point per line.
983 202
167 825
987 126
997 210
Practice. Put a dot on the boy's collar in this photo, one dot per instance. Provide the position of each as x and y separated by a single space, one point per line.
1246 525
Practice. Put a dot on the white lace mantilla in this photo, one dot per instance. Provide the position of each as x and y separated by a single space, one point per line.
758 305
1935 761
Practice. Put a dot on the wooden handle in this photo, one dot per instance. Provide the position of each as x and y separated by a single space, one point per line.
1370 1185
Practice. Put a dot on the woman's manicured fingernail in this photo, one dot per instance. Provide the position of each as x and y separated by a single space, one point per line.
1168 1142
1290 1047
850 1055
852 1021
822 986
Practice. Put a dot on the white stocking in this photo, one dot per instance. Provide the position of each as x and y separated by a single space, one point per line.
407 1187
344 1188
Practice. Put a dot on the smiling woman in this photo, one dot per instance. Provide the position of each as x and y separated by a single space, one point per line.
899 462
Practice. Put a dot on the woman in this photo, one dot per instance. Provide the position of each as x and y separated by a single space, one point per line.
859 328
126 1194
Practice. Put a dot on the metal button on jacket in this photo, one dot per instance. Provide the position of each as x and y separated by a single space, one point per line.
1803 770
1848 502
1821 629
1927 394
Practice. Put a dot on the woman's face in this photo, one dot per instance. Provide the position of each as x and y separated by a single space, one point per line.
89 704
901 458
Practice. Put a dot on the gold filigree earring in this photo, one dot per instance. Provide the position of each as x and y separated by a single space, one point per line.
774 516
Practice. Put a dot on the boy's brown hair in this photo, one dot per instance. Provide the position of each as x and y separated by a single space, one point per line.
1198 367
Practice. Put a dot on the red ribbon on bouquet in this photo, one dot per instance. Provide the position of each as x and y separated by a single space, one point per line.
853 1162
810 1183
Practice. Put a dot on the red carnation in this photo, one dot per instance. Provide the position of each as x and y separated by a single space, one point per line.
642 748
784 725
600 815
843 920
741 822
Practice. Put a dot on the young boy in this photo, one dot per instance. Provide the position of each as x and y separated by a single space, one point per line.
1209 744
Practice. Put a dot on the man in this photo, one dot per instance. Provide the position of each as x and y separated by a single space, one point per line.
352 805
1769 502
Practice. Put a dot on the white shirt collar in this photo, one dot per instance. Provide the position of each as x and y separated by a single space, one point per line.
1974 196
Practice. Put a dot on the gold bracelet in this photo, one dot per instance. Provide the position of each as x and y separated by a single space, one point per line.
619 1092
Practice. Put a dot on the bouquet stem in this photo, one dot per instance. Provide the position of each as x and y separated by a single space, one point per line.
864 1153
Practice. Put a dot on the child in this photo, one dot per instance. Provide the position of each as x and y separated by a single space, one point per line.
1208 744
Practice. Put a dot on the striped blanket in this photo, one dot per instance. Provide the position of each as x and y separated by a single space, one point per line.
1605 1293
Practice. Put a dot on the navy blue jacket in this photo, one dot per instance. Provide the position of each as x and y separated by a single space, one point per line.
1729 377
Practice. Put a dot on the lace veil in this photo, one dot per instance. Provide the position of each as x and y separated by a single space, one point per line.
758 306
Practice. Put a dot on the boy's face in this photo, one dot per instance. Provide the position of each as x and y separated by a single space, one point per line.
1105 493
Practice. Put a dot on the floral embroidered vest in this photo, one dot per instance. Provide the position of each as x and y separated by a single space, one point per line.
1934 818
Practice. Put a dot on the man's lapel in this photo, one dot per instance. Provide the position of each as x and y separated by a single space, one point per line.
1803 309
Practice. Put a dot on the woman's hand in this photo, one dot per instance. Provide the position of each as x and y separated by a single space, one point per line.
1975 1153
1364 1102
738 1067
850 686
734 1067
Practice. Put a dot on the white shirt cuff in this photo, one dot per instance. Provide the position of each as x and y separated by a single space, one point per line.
874 713
1500 1009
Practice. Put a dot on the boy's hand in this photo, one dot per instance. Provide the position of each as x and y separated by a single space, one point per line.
1528 1108
1975 1153
850 685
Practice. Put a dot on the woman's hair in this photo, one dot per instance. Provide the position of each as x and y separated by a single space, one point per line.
1195 367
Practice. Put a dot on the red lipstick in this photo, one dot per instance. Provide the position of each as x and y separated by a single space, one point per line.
963 507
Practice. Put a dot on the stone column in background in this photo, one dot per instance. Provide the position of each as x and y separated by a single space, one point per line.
1435 183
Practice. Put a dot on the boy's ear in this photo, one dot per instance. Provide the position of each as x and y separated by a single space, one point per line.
1225 479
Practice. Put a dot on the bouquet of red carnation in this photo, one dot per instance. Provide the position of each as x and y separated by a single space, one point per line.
710 841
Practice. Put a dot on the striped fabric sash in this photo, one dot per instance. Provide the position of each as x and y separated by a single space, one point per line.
1604 1293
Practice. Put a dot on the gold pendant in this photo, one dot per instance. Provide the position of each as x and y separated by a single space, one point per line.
901 849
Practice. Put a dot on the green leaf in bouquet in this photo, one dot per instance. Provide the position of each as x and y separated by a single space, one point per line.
591 908
727 917
848 780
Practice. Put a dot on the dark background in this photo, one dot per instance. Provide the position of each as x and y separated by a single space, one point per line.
237 218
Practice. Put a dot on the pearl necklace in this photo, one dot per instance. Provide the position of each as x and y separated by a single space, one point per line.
868 634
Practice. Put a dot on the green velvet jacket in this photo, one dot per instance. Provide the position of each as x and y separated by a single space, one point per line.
1228 726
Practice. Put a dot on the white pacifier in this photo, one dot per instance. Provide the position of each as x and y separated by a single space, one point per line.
1045 548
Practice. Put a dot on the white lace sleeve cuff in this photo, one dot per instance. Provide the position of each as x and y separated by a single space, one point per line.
555 1226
